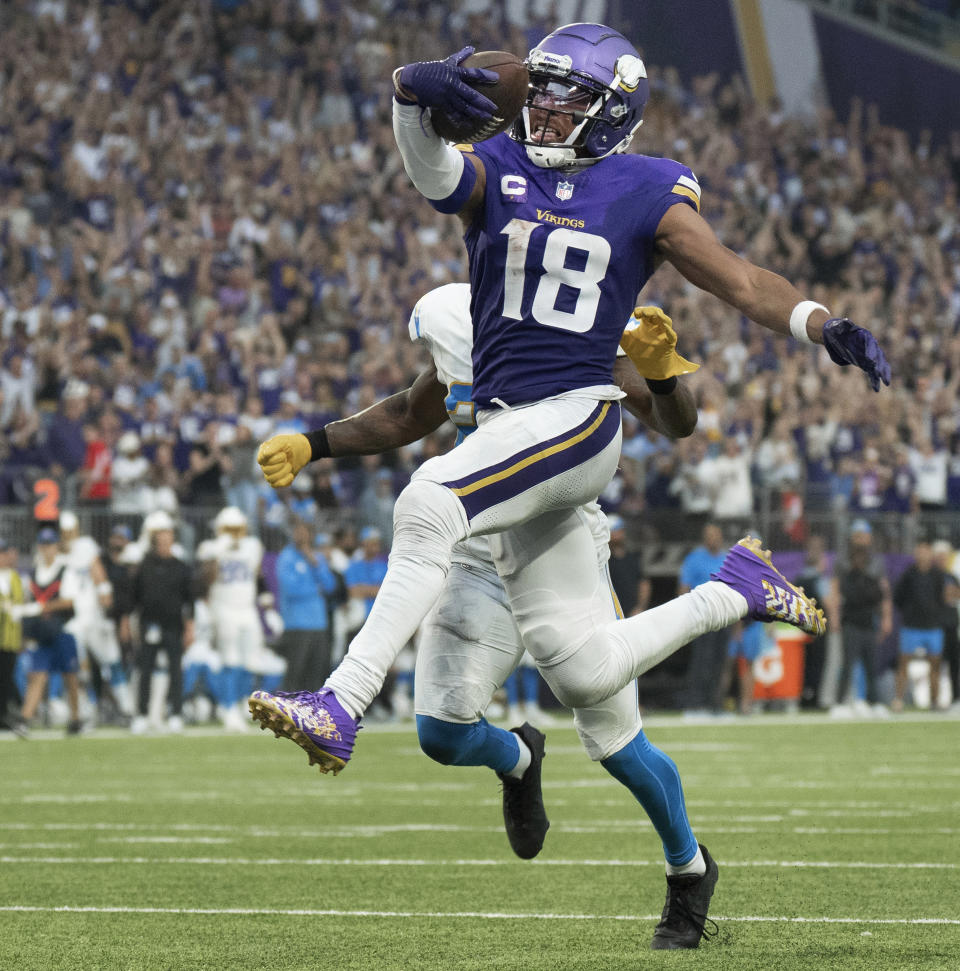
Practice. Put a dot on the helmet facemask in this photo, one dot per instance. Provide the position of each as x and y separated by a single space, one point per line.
563 103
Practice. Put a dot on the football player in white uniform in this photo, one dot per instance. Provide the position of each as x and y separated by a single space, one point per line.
470 643
231 565
94 630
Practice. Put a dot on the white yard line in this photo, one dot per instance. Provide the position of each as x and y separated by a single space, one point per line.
910 770
181 832
176 840
343 793
704 825
455 915
38 846
285 832
414 862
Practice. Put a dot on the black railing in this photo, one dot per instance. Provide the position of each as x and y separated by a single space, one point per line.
652 532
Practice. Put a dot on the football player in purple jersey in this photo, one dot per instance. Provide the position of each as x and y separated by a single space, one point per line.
562 231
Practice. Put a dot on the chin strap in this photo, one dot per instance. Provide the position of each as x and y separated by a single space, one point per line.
565 156
552 156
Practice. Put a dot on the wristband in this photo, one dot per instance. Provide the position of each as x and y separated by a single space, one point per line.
665 386
319 445
104 588
798 319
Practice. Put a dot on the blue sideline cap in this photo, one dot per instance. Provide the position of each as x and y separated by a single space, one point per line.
369 532
860 526
47 535
4 545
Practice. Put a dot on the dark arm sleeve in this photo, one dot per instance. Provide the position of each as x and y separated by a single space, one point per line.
123 596
188 592
135 588
901 592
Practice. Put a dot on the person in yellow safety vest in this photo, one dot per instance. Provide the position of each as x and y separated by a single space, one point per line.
11 636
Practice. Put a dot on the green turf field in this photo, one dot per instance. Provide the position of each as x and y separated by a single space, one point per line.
837 845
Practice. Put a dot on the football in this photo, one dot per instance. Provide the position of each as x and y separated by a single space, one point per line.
508 94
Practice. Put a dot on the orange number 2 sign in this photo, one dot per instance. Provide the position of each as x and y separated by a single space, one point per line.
47 507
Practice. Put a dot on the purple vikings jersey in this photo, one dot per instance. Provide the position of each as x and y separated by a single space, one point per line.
556 262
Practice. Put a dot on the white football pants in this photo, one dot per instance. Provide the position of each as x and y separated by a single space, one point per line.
524 467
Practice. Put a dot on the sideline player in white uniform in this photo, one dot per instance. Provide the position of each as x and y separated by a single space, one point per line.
94 631
232 562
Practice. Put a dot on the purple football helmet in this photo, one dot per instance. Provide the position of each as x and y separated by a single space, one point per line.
594 75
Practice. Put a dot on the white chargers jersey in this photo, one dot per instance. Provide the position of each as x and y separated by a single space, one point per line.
79 559
441 321
238 564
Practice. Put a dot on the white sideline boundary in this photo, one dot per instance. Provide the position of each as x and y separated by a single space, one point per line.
454 915
274 861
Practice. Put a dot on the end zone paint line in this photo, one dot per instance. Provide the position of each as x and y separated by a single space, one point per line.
375 862
454 915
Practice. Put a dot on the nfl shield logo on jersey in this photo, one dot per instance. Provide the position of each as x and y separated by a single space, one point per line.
564 190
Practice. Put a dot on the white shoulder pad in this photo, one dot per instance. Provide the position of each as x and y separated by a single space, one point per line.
440 310
441 319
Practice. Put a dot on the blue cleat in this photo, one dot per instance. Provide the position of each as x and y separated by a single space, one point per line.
315 720
749 570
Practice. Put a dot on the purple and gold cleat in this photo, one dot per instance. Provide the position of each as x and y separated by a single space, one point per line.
749 570
315 720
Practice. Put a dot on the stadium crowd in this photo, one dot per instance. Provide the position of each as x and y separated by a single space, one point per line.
207 236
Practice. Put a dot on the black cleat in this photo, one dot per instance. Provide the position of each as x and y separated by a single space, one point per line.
524 817
685 912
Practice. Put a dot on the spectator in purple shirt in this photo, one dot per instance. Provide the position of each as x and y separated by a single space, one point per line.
66 446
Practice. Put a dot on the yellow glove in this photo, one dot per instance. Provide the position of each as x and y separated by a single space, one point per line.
282 457
652 346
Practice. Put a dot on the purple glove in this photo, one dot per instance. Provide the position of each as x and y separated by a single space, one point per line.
441 85
846 343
